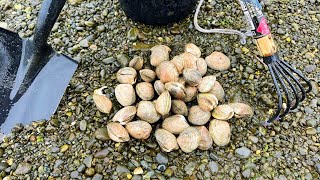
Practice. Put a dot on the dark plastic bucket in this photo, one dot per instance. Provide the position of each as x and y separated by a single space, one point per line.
157 11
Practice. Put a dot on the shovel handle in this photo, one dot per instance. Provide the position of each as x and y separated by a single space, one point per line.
48 14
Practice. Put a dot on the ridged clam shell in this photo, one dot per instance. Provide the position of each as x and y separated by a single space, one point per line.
241 110
117 132
127 75
125 115
197 116
191 93
193 49
179 107
166 140
223 112
217 90
145 91
139 129
206 83
176 89
189 60
146 111
136 63
102 102
189 139
163 103
159 54
202 66
220 132
178 63
206 139
207 101
167 72
147 75
218 61
159 87
175 124
192 76
125 94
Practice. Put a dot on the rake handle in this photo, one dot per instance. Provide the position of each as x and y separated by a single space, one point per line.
48 14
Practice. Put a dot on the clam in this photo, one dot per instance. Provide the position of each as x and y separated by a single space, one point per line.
223 112
217 90
206 83
189 139
176 89
175 124
206 139
125 94
139 129
136 63
191 93
241 110
146 111
207 101
127 75
192 76
193 49
182 80
178 63
202 66
159 87
147 75
125 115
218 61
101 100
145 90
197 116
189 60
166 140
159 54
220 132
179 107
163 103
117 132
167 72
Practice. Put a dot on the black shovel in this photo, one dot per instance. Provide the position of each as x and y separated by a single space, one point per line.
33 77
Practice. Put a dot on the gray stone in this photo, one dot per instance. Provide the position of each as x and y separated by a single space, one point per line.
57 163
83 125
81 168
243 152
302 151
87 161
122 169
101 154
23 168
246 173
161 158
55 149
3 166
136 177
213 166
317 166
97 177
161 167
310 68
84 43
189 168
253 139
123 60
109 60
74 174
148 175
308 176
280 31
102 134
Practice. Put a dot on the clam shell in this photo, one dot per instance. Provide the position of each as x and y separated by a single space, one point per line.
189 139
207 83
102 102
176 89
220 132
223 112
241 110
202 66
147 75
159 54
206 139
136 63
192 76
125 115
191 93
217 90
159 87
139 129
193 49
175 124
125 94
117 132
146 111
167 72
178 63
127 75
166 140
197 116
145 91
182 80
179 107
218 61
189 60
207 101
163 103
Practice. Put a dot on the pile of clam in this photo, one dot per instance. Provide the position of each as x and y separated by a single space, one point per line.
179 95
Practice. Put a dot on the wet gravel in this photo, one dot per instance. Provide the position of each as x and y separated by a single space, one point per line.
74 143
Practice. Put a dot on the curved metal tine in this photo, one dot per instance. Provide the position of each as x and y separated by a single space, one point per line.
293 87
303 92
305 79
276 115
284 87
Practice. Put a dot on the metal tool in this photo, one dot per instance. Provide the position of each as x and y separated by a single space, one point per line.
289 82
33 77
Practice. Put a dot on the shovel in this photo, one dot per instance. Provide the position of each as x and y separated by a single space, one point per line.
33 77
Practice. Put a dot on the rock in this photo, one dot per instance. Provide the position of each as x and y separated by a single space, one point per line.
1 151
57 163
311 131
74 174
3 25
83 125
101 154
123 60
122 169
109 60
161 167
302 151
81 168
310 68
133 34
161 159
97 177
23 168
3 166
64 148
138 170
136 177
246 173
280 31
102 134
168 172
243 152
308 176
213 166
253 139
148 175
87 161
317 166
90 171
84 43
189 168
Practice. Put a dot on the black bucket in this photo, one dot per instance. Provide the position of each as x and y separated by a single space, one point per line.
157 12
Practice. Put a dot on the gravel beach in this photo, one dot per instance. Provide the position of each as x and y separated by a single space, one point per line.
74 143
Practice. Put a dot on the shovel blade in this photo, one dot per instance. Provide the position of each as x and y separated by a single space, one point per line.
42 96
